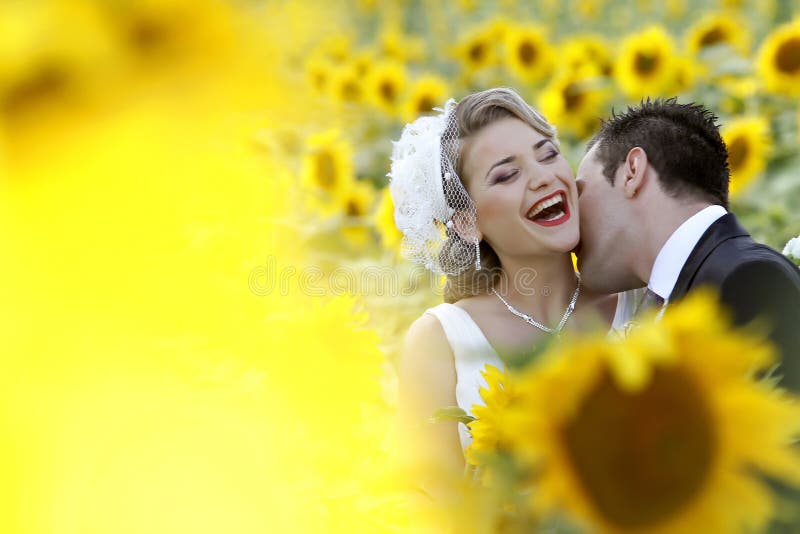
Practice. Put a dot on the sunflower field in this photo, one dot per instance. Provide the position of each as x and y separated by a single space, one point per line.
202 286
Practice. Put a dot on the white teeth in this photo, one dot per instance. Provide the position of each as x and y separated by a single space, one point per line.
544 204
554 216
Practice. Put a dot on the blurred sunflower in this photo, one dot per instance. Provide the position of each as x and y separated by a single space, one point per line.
718 29
393 43
156 32
748 142
390 235
319 71
328 170
476 50
48 52
385 86
646 66
590 9
355 204
779 60
654 433
574 103
528 54
685 74
346 86
363 62
337 47
427 92
588 54
487 430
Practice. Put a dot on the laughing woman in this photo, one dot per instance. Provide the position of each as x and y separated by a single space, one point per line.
484 196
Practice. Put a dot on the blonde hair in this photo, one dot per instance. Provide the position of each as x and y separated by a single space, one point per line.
473 113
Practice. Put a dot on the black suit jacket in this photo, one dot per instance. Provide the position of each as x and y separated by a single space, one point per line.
753 281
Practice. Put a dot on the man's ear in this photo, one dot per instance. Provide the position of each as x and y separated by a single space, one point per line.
466 227
634 171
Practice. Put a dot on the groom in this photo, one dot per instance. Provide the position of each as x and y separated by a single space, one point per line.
653 211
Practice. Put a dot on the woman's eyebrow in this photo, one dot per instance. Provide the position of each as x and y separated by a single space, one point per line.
507 159
541 143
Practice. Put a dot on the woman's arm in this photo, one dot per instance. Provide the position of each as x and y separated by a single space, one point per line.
427 381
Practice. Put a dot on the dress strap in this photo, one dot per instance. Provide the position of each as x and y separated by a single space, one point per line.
466 338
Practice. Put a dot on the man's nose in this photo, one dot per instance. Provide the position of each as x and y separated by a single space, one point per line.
580 184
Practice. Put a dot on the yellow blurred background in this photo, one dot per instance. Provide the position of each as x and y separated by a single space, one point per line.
164 162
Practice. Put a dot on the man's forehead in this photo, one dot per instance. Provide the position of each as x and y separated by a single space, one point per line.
590 158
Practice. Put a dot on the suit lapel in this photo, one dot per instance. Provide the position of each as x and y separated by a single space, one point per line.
724 228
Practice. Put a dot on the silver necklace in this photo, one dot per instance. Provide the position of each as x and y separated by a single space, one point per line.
531 321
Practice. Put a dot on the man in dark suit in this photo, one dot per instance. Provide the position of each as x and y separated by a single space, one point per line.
653 205
653 211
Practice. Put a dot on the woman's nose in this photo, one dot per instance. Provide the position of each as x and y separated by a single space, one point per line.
540 178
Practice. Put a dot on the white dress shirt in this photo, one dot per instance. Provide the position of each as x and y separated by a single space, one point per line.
673 255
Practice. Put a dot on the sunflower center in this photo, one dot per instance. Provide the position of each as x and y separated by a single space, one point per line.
388 91
425 104
641 457
712 37
645 64
738 150
325 170
477 52
352 209
48 82
320 80
527 53
351 92
573 97
787 57
148 35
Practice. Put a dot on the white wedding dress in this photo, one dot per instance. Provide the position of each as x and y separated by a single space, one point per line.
472 351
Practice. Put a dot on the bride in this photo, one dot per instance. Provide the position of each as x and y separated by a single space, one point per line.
484 196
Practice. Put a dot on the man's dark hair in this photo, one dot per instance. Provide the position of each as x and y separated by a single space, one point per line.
682 143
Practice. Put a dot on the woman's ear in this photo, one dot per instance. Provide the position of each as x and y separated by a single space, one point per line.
466 227
635 171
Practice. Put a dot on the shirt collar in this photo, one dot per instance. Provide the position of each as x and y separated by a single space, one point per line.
679 246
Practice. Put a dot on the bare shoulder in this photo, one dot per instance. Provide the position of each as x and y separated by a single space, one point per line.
426 335
426 355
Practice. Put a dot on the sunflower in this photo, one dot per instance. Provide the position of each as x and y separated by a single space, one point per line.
587 54
390 235
355 204
646 65
346 86
663 432
385 86
426 93
363 62
319 71
158 31
396 45
590 9
487 434
476 50
748 145
685 74
328 170
574 103
528 54
779 60
718 29
337 48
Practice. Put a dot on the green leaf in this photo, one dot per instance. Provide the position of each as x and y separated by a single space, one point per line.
451 413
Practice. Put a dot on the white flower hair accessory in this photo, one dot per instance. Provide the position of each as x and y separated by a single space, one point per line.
431 206
792 249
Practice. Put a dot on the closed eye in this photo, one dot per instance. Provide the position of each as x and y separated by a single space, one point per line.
504 178
551 155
